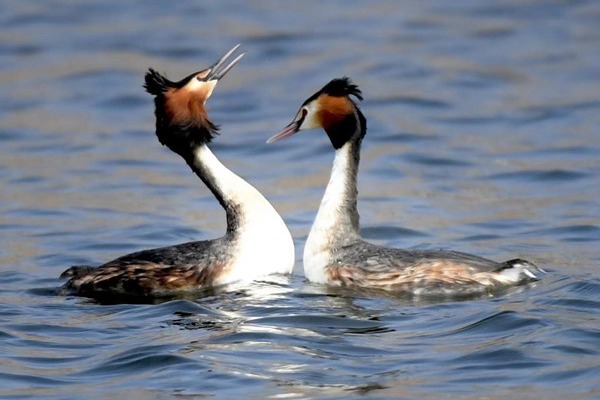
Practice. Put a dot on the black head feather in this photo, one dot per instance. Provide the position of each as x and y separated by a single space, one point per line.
156 83
342 87
338 87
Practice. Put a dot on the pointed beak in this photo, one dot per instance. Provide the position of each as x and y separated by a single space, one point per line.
221 67
288 131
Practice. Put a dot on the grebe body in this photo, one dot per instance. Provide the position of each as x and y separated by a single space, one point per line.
257 242
336 254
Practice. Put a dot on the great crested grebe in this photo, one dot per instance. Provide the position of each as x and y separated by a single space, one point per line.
336 254
257 242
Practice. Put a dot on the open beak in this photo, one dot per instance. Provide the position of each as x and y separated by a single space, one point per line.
288 131
221 67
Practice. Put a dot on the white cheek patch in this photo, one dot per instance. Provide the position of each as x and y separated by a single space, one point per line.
203 88
310 120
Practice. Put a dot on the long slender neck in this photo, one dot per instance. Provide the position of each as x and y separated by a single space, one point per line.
259 241
234 194
337 221
338 210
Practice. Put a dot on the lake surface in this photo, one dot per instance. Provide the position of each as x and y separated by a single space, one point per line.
484 122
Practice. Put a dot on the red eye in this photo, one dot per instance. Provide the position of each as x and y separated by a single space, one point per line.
304 112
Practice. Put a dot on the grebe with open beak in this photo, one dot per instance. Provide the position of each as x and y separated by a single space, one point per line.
257 242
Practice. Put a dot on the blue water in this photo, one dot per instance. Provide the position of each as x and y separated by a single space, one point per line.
483 136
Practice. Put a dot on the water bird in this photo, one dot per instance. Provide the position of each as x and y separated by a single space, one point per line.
335 252
257 242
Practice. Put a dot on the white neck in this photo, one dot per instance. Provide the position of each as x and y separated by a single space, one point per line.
261 243
336 222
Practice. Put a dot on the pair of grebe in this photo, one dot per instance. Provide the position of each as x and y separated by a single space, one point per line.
257 242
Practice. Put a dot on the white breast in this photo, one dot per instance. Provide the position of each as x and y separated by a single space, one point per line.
265 245
263 242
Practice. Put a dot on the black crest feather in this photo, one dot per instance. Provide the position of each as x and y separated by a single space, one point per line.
342 87
156 83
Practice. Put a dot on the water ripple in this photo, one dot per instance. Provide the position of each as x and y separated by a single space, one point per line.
414 101
137 360
555 175
500 323
571 233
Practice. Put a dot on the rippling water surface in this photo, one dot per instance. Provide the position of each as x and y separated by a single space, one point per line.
483 136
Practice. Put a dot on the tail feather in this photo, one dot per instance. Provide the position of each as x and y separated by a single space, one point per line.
77 271
520 271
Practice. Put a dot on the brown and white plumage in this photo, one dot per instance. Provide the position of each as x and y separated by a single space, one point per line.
257 242
336 254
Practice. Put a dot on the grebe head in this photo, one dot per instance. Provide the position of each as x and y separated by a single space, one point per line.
181 118
332 109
